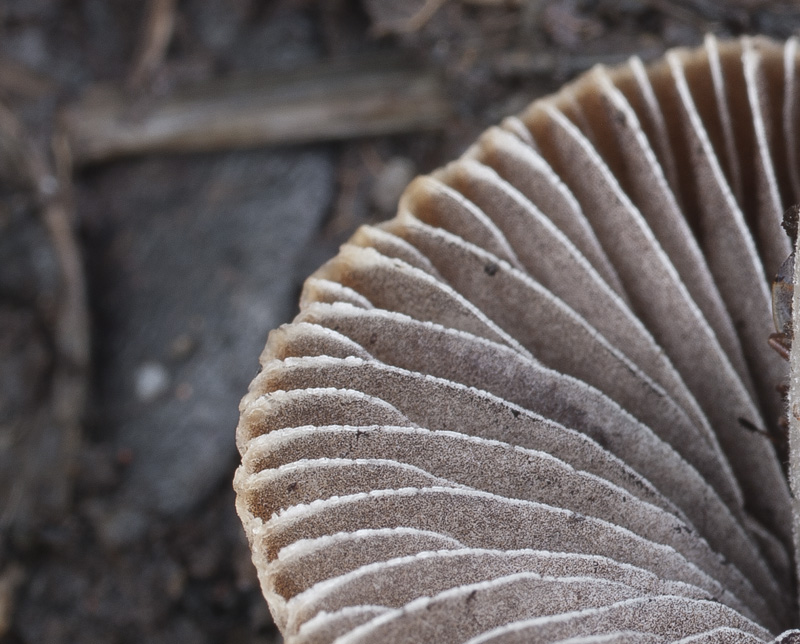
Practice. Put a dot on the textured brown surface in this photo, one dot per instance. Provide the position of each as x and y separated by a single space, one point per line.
565 332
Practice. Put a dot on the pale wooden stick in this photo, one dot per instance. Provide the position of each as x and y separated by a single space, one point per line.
157 29
322 103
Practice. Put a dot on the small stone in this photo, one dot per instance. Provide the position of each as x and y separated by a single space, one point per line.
390 183
152 380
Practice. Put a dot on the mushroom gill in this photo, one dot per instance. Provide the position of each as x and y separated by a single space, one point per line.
539 404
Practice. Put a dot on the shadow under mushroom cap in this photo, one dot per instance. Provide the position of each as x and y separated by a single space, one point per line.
528 407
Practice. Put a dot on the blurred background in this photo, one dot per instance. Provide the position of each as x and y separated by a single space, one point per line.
170 171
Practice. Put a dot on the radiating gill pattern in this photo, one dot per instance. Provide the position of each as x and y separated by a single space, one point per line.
536 405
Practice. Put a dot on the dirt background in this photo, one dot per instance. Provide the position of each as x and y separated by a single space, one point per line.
137 289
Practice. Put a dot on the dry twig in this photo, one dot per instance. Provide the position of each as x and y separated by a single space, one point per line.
16 78
50 438
321 103
422 16
157 34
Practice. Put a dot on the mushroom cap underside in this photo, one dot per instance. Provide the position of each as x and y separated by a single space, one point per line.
539 404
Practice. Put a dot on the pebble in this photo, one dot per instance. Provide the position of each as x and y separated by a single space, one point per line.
152 381
390 183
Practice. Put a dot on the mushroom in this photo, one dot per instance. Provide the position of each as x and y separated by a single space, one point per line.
540 403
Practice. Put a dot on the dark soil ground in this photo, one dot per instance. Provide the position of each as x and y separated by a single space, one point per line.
136 293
